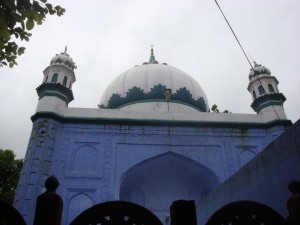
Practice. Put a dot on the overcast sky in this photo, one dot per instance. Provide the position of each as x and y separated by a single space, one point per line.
107 37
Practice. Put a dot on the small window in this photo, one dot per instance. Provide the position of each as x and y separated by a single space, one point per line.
70 84
65 81
261 90
254 94
271 89
54 78
46 79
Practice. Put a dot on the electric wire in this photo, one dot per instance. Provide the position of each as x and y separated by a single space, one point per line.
243 50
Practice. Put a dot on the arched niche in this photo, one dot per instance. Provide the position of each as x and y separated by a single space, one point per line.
85 159
77 204
157 182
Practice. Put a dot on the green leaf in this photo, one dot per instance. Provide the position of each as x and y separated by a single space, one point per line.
49 6
22 25
17 17
4 32
21 50
29 24
10 4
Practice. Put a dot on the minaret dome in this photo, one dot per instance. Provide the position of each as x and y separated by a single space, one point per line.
267 99
56 87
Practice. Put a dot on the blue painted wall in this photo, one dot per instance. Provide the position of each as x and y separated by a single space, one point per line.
149 165
264 179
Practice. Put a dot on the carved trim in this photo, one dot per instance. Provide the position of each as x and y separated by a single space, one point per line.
55 89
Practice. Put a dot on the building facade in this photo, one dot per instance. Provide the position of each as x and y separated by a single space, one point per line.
152 140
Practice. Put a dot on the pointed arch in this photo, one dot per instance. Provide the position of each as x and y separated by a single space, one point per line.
77 204
65 81
261 90
54 78
164 179
85 159
270 87
254 94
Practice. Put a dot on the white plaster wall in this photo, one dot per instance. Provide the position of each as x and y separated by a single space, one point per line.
263 80
275 112
62 71
51 104
160 107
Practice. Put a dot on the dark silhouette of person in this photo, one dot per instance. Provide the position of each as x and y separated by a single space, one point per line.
49 205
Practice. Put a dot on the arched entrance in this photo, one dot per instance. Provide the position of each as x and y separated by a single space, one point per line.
9 215
157 182
116 212
246 213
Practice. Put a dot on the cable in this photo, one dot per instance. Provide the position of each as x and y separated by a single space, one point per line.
234 35
243 51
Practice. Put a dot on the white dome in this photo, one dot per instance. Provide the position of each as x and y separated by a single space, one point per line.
148 82
63 59
258 69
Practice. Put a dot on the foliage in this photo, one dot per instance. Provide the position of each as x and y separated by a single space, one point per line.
215 109
10 169
17 17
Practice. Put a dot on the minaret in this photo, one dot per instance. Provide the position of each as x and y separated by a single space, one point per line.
55 92
267 100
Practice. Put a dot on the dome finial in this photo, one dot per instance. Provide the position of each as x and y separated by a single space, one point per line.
152 52
255 64
63 58
152 57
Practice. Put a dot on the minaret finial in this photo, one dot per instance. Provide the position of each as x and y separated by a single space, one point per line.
152 52
152 57
66 48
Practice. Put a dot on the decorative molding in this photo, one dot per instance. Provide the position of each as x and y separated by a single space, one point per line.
55 89
267 100
105 194
157 93
150 122
85 160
